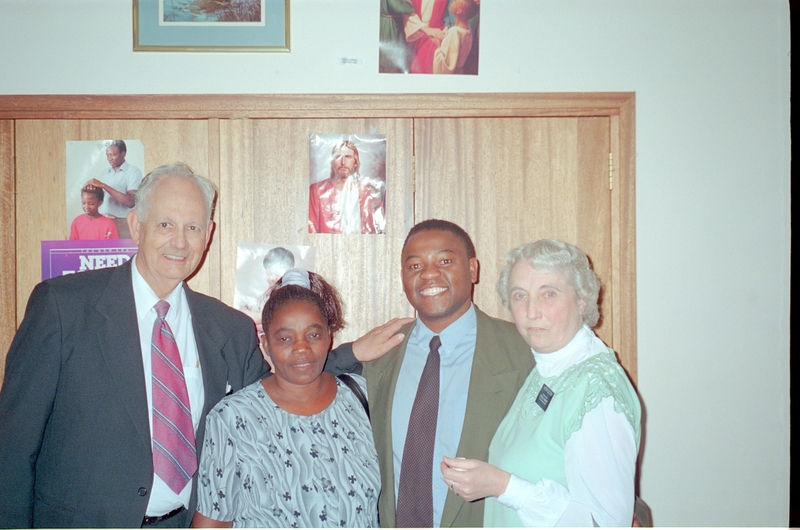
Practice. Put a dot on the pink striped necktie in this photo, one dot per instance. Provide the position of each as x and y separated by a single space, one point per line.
174 451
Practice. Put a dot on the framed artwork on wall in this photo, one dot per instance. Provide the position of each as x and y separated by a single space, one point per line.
211 25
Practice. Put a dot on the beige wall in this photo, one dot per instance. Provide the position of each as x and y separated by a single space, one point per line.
713 187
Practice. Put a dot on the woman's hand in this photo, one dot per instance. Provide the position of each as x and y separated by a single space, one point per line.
473 479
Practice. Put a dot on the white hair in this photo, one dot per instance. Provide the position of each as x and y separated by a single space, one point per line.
554 256
177 169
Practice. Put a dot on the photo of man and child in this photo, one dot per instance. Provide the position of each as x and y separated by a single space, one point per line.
101 181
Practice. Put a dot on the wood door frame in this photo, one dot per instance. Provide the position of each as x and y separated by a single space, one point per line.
618 106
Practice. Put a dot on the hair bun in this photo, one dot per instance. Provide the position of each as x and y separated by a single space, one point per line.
296 277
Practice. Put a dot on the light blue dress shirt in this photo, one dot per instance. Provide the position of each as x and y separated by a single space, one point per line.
456 353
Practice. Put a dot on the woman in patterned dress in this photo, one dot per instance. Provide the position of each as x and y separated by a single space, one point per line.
565 454
294 449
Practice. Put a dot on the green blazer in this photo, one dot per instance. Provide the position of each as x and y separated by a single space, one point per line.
500 366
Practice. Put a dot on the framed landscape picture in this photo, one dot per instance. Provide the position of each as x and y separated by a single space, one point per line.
211 25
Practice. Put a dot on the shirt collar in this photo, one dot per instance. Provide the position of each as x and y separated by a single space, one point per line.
145 298
583 345
451 336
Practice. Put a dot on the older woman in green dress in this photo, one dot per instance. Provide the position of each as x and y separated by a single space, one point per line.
565 454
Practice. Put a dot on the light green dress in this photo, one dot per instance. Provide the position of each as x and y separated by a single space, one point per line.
530 441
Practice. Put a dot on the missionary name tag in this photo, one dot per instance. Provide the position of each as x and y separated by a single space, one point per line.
544 397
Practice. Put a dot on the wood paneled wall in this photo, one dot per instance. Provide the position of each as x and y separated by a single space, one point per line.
265 168
8 283
481 160
511 181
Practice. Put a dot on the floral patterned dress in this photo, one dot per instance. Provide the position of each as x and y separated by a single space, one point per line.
265 467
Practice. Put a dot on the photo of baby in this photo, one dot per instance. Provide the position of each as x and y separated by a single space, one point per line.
258 267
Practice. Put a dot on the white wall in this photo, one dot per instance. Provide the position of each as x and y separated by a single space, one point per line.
713 187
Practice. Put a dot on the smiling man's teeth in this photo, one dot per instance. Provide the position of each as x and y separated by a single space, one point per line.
175 257
433 291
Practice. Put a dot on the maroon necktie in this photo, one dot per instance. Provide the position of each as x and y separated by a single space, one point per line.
415 496
174 451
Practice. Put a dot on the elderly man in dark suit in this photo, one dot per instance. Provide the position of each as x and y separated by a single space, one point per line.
481 363
111 374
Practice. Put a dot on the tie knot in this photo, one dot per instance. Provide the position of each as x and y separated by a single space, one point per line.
161 308
435 343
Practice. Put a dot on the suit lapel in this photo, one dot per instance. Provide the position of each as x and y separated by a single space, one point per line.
116 327
209 339
381 384
493 380
209 346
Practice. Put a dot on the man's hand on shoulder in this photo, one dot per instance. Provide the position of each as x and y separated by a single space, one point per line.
380 340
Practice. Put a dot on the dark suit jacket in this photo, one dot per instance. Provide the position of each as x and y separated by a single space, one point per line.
500 366
75 447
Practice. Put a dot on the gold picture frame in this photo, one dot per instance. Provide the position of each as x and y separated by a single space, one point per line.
241 26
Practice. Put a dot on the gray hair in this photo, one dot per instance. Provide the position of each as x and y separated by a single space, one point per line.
554 256
278 259
178 169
